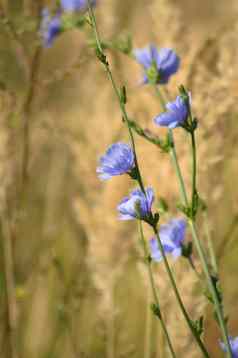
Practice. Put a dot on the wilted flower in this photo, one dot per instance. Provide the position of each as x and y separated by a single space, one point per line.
234 346
172 236
119 159
76 5
50 27
158 64
137 205
176 115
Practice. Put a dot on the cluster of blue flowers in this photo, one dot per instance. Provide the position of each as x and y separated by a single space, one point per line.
158 67
119 159
51 26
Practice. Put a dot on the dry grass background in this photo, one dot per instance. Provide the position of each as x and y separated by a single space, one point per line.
81 285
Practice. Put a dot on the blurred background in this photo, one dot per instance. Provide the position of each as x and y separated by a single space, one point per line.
80 286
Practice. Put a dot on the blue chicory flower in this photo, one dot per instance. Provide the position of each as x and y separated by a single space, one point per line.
164 60
234 346
119 159
136 201
176 115
50 27
75 5
172 236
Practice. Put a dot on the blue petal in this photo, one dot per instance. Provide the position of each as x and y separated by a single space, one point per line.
234 346
143 56
118 160
176 252
166 119
75 5
168 62
128 205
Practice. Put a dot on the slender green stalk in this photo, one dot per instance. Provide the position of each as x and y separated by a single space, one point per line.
194 170
178 297
197 242
139 178
116 90
217 304
174 158
161 98
154 290
149 328
173 153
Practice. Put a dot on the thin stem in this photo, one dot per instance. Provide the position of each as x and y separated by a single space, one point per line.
191 263
218 306
148 327
154 290
178 297
213 290
194 170
139 178
174 158
145 133
116 90
161 98
173 153
192 225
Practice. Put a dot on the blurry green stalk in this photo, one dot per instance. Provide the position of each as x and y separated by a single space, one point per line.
154 289
197 242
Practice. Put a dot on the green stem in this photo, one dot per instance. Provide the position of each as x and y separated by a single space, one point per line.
139 178
178 297
197 242
154 290
218 306
173 153
161 98
174 158
117 92
194 171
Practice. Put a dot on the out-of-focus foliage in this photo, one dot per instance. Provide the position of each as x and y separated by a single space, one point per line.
81 286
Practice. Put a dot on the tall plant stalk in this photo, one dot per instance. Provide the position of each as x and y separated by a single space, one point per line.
155 290
197 242
122 101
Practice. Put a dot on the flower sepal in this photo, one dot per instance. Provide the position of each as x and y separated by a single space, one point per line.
198 325
133 173
149 218
191 123
152 74
156 310
71 21
187 250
